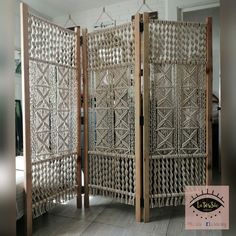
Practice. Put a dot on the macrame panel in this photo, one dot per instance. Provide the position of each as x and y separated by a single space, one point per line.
177 42
51 43
177 110
110 47
112 175
192 107
53 114
111 113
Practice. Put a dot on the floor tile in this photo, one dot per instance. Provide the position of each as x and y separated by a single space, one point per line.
107 217
99 229
97 205
117 214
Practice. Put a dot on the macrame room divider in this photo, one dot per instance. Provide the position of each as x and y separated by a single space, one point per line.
147 105
177 98
51 98
147 87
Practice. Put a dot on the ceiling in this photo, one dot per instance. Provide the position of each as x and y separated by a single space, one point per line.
55 8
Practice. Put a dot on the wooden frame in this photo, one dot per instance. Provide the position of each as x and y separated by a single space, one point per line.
138 138
146 101
138 130
78 77
142 130
209 71
85 106
26 118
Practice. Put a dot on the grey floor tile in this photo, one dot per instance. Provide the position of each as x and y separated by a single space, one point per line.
97 205
117 214
161 218
161 226
176 224
141 228
133 232
157 225
160 212
47 224
51 225
74 228
99 229
107 217
72 212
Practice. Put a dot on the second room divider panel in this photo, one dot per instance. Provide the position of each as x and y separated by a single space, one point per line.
111 113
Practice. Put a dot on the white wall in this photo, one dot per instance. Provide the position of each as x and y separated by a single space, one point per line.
121 12
172 5
18 92
17 43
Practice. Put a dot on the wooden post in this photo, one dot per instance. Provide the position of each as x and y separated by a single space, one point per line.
146 111
209 71
85 93
137 84
26 118
78 78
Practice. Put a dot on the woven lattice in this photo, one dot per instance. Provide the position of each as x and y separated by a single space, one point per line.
177 42
177 110
111 113
51 43
53 114
110 47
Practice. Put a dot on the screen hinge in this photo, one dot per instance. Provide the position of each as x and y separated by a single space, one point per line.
81 40
141 120
141 72
142 202
141 27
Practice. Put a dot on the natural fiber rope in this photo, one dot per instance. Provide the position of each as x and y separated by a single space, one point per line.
111 140
177 111
177 116
53 114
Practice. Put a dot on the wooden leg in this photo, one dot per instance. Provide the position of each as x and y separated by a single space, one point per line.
138 156
85 72
26 119
78 77
209 71
146 100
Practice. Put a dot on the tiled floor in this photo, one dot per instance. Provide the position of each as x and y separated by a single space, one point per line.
106 217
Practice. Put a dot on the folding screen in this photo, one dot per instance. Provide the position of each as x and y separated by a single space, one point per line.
111 112
51 114
176 110
173 61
